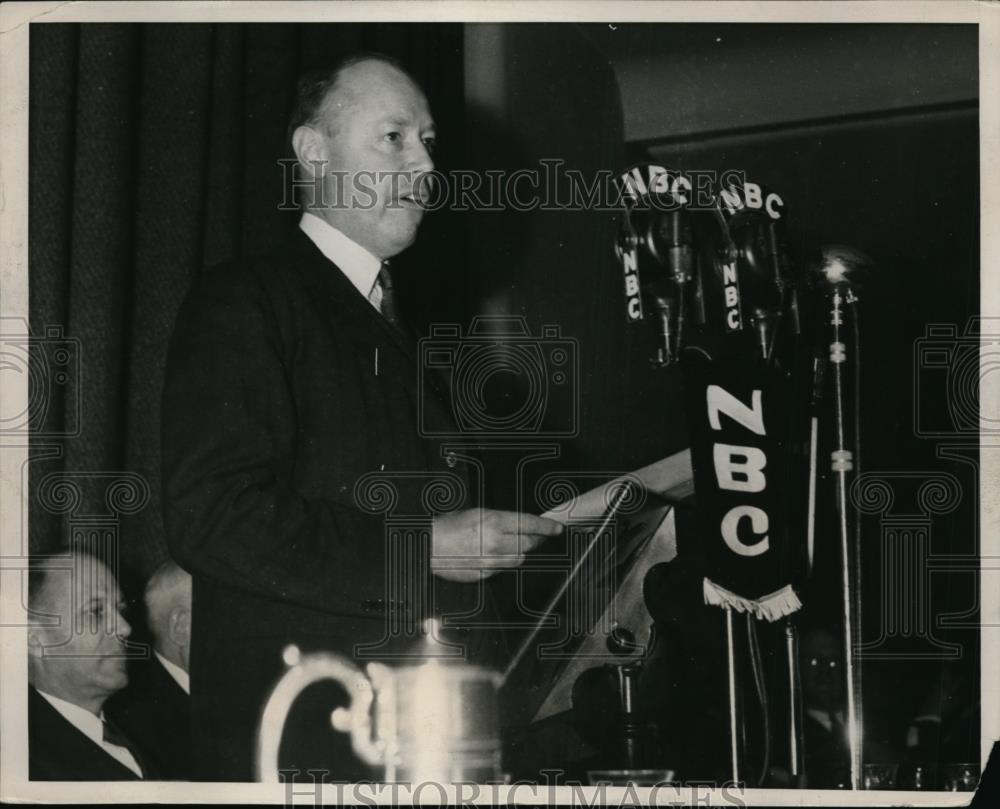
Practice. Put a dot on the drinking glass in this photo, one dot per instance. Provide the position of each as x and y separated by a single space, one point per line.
960 777
918 776
880 776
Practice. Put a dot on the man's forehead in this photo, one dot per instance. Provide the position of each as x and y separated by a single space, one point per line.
382 91
82 578
372 72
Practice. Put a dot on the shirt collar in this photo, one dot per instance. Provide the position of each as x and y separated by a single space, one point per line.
182 677
825 718
354 261
83 720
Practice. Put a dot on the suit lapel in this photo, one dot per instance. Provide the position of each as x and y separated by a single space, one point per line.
64 744
328 283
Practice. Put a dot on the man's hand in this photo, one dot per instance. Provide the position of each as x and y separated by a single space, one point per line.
476 543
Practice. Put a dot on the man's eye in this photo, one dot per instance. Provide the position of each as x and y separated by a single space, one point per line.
430 144
394 137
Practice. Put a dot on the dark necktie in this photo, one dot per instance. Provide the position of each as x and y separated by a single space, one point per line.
112 735
388 304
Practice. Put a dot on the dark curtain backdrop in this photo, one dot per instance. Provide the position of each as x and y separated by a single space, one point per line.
154 153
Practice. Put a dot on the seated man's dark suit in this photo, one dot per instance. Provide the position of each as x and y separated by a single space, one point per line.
826 754
156 712
58 751
284 387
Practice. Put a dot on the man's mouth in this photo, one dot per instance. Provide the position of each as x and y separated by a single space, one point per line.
413 200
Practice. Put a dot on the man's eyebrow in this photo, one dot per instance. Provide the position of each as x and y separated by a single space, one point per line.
90 602
403 121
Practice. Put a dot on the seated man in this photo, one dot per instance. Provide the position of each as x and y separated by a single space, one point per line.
155 709
827 756
76 661
824 723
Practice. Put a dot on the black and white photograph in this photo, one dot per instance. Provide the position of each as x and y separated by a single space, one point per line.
492 403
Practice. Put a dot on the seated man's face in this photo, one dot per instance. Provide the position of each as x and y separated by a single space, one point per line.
822 672
76 639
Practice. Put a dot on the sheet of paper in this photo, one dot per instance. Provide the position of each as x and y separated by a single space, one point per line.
670 478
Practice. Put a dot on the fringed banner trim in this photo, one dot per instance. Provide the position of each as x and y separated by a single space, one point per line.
770 607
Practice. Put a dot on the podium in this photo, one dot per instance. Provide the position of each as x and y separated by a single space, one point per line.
598 614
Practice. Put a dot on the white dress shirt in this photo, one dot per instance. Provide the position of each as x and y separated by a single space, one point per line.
354 261
182 678
92 727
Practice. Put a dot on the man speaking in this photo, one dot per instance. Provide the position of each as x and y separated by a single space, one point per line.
289 380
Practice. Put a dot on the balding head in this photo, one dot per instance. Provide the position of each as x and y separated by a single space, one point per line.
168 612
321 94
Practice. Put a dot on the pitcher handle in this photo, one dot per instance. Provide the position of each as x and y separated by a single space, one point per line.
303 671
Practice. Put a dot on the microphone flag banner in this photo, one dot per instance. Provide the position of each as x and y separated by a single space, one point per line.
740 420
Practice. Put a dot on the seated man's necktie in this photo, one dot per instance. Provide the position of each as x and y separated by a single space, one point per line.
112 735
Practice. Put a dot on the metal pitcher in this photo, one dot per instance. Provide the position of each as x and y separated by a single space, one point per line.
435 721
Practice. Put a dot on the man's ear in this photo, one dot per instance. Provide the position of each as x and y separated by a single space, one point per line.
35 644
179 626
310 149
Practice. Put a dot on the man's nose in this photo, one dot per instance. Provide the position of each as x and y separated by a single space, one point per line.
420 159
123 628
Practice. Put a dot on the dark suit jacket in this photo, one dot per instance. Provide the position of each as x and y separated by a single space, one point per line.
155 712
826 755
273 411
57 751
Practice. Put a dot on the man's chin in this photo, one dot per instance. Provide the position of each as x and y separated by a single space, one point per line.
116 672
398 241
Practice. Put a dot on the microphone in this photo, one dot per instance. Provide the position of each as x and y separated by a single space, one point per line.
657 233
669 240
752 262
840 265
664 351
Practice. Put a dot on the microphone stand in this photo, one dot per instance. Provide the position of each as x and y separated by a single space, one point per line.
794 698
795 741
842 463
734 745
